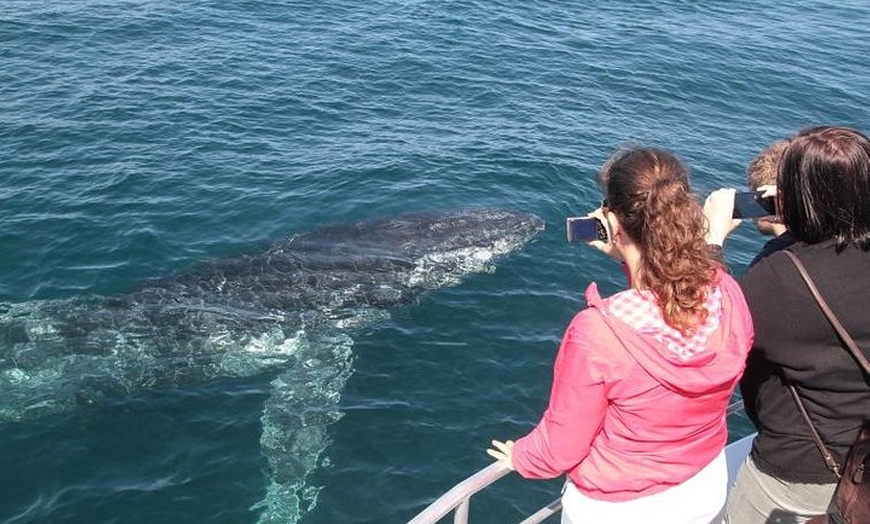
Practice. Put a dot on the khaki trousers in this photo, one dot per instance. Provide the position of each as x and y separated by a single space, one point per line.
758 498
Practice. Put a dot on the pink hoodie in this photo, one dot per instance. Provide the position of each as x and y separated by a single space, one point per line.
628 418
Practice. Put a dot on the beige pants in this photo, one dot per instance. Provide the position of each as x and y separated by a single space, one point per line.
698 500
758 498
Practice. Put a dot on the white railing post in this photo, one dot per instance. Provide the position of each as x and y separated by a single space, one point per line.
461 515
460 493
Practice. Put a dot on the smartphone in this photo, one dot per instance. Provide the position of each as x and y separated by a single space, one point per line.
750 204
585 229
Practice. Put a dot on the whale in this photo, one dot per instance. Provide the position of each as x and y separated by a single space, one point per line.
287 312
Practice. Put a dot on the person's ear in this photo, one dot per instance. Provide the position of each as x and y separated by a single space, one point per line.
614 228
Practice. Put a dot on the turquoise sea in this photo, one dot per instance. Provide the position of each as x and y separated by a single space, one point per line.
138 138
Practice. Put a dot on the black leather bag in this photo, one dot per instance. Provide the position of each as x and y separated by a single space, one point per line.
852 496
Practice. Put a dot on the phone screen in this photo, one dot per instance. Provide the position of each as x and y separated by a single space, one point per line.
585 229
752 205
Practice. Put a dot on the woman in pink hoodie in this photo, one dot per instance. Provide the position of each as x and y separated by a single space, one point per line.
636 417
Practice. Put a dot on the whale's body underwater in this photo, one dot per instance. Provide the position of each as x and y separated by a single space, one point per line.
289 309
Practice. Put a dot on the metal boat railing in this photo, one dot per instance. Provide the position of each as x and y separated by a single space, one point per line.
458 498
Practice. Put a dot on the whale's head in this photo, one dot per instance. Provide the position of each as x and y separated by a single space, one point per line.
451 245
478 232
482 233
431 249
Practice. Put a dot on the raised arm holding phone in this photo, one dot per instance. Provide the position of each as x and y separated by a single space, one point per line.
823 200
642 380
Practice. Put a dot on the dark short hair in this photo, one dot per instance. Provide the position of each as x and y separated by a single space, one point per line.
824 186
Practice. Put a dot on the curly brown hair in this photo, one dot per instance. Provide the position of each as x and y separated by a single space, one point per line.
648 190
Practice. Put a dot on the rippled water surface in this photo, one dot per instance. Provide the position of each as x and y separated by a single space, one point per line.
140 138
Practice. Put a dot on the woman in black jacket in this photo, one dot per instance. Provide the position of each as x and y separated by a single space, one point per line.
823 197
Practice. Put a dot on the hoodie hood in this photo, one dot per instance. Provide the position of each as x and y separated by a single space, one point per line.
716 365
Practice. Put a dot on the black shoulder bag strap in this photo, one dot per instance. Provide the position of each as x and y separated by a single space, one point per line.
830 460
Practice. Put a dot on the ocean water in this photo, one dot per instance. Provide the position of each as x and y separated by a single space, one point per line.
140 138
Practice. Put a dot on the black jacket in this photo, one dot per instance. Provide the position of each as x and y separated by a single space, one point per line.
795 341
773 245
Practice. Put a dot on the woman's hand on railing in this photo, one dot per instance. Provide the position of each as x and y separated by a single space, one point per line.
503 452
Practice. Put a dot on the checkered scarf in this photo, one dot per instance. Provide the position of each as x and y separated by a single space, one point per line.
639 309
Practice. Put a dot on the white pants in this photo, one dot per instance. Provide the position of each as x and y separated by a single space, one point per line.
698 500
